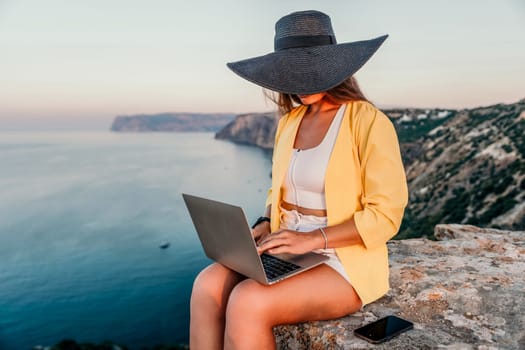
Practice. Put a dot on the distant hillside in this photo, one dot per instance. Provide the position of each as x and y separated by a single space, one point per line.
170 122
463 166
470 169
254 129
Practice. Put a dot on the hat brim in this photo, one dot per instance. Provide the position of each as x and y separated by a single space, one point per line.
308 70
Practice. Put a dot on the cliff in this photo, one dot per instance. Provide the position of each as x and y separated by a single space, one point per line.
465 166
169 122
254 129
464 291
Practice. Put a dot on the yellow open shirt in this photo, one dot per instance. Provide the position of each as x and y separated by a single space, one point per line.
365 179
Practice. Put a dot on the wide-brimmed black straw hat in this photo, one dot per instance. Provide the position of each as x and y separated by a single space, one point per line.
307 58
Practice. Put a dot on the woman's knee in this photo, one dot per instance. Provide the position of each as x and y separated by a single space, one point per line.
213 284
247 301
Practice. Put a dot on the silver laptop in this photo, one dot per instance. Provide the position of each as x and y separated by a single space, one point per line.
226 238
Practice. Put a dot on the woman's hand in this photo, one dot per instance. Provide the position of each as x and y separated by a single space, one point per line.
288 241
260 231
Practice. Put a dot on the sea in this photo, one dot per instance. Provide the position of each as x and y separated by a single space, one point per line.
82 217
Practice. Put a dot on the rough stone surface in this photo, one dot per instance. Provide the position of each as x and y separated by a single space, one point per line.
464 291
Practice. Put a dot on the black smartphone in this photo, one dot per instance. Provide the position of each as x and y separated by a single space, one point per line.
383 329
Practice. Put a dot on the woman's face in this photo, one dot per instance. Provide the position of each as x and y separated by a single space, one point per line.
311 99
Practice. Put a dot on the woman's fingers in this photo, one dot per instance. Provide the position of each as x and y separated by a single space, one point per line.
259 231
261 238
272 241
286 241
279 250
282 234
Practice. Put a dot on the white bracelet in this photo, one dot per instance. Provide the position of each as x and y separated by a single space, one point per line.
325 238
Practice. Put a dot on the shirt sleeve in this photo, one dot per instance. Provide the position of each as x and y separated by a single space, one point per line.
385 192
277 134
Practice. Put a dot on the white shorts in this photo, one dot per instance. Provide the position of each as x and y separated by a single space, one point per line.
293 220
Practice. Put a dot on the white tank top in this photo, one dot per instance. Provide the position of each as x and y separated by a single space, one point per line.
304 182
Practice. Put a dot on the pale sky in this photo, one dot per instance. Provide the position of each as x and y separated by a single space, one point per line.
80 63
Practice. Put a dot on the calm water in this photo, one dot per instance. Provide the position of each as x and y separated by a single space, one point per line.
82 215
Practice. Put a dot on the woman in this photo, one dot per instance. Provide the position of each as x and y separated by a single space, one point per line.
338 188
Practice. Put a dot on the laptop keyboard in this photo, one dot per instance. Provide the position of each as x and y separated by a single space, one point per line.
275 267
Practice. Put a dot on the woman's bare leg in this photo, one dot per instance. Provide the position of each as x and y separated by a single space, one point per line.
209 297
253 309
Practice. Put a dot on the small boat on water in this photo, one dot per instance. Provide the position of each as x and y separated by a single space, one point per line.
164 245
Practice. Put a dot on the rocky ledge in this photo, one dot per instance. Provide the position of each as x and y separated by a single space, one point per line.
464 291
